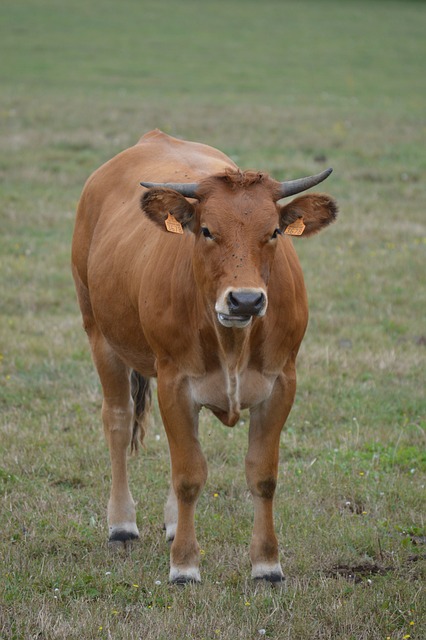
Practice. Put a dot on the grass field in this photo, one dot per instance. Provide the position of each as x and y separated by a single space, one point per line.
288 87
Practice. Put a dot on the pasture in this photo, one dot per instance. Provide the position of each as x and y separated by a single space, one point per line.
290 88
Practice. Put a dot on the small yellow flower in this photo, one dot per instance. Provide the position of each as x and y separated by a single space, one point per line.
215 495
247 603
136 586
407 635
100 628
412 623
114 612
361 473
364 513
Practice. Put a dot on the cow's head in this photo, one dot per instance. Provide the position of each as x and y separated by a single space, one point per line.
237 225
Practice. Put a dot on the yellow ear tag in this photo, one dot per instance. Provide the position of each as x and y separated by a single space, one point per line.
173 225
296 228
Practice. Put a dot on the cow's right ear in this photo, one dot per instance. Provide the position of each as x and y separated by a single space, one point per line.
157 203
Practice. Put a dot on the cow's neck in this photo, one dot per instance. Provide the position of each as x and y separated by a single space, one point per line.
233 347
234 355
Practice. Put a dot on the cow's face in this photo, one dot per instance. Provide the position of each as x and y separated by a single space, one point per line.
236 237
237 226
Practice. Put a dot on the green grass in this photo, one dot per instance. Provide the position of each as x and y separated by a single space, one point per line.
289 87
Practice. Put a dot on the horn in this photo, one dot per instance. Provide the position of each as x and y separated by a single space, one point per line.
187 189
291 187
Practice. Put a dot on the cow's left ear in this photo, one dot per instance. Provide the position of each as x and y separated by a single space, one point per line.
157 203
316 209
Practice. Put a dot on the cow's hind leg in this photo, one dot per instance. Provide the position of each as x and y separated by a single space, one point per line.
117 416
171 515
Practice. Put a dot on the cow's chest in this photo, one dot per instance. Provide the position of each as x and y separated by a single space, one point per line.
227 391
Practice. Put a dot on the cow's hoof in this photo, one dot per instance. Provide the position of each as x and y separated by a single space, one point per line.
123 531
122 537
170 530
184 576
269 572
274 578
182 580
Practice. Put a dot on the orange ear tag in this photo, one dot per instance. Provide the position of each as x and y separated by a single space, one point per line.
173 225
296 228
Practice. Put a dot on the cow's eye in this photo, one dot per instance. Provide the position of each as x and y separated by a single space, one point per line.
206 233
276 233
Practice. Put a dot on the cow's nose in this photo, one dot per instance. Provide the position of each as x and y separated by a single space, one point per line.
246 303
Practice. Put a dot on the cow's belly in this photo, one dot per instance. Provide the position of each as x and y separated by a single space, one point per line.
227 393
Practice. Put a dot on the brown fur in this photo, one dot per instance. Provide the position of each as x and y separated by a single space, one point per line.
216 317
235 181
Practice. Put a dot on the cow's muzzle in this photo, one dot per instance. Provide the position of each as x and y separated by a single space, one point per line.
242 302
238 306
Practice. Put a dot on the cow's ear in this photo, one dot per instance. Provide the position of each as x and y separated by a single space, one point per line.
316 210
161 205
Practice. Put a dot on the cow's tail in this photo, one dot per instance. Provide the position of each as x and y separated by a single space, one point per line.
142 398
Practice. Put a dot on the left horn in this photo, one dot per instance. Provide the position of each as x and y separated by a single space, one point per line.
187 189
291 187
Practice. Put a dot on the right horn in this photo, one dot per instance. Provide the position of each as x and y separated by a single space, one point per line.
291 187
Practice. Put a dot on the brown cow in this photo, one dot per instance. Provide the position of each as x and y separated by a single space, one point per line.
214 306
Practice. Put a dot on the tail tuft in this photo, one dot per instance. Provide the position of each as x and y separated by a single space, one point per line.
142 398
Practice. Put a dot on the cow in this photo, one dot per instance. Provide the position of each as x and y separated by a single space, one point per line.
185 272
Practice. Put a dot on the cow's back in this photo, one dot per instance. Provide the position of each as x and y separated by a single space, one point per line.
111 196
176 160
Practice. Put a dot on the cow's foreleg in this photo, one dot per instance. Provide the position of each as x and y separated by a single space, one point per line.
117 416
266 422
189 473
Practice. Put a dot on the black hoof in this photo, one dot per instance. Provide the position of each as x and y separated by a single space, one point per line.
169 537
274 578
120 535
182 580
